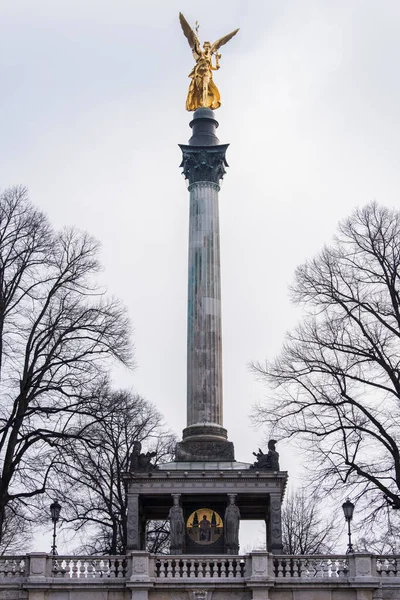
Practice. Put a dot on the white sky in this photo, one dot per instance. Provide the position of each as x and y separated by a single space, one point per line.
92 109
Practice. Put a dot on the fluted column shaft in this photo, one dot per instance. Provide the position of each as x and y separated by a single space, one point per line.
204 351
203 164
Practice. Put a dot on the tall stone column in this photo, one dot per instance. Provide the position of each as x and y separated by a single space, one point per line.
204 164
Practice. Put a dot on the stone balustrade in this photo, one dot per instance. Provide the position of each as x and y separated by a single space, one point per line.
310 567
12 567
142 576
200 567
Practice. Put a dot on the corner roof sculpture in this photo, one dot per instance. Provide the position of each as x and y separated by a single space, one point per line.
203 93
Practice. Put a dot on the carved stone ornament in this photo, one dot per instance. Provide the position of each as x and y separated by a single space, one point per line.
204 450
200 594
276 505
140 461
259 565
204 163
267 462
139 565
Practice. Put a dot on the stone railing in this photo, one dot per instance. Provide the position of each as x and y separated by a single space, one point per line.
12 567
388 566
141 565
310 567
83 567
200 567
259 573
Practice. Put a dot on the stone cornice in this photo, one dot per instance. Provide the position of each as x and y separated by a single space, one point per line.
193 475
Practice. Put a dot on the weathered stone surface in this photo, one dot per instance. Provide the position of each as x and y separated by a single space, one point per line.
204 450
133 533
204 349
207 431
88 595
281 595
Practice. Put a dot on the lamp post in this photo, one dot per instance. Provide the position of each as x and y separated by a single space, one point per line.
55 509
348 509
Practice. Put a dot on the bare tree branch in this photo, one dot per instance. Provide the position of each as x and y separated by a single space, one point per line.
337 380
58 333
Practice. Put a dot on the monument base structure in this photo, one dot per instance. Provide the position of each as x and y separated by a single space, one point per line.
205 488
205 492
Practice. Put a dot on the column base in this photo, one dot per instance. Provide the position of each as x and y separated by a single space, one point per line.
204 450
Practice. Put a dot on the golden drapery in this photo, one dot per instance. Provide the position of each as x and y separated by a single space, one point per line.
202 90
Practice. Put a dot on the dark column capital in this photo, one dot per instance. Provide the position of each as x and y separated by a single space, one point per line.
204 163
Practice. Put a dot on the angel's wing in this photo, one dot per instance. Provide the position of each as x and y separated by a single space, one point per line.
217 45
190 34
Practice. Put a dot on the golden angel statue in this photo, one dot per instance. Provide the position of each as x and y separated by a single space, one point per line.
202 90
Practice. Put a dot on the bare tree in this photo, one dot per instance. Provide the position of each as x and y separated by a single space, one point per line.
305 529
57 333
17 531
337 379
90 470
158 537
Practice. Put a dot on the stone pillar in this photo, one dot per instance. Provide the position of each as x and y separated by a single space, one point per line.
133 523
274 524
258 575
204 343
203 165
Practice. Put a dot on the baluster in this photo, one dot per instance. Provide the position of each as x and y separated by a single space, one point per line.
82 569
61 570
379 566
89 569
192 570
67 568
157 564
13 569
395 567
279 572
392 568
120 569
73 568
384 568
346 567
339 568
325 568
162 569
236 568
7 568
98 566
223 566
318 568
230 568
303 568
169 569
207 573
215 568
113 568
387 567
295 568
184 568
200 569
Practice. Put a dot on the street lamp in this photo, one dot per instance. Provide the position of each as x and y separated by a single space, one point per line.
348 509
55 509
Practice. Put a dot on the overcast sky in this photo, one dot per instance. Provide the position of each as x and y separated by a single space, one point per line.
92 107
